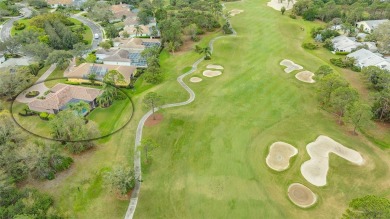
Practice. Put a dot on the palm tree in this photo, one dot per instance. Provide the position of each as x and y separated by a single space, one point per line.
92 78
79 107
104 100
137 30
206 51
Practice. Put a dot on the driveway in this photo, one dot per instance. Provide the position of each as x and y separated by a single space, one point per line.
22 61
38 86
6 28
96 29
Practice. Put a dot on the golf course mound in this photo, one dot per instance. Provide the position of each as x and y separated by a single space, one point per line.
218 67
301 195
315 170
291 66
195 79
277 4
210 73
305 76
279 155
234 12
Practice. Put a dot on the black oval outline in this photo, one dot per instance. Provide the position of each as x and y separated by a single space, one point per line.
58 140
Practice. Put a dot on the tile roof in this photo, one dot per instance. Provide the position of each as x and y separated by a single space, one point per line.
62 94
84 69
59 2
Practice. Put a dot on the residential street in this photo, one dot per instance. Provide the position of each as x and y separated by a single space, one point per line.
6 29
96 29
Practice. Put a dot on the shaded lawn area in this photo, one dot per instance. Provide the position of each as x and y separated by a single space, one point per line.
107 119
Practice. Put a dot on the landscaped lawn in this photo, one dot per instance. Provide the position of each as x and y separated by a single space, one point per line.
108 119
56 74
211 160
25 21
87 35
88 32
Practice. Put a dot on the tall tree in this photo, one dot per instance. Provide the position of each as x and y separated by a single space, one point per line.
10 45
359 115
341 99
147 145
152 101
120 179
369 206
327 85
61 57
138 30
12 82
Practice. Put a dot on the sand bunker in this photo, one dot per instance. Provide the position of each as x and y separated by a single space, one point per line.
291 66
210 74
316 169
234 12
277 4
279 155
301 195
305 76
195 79
214 67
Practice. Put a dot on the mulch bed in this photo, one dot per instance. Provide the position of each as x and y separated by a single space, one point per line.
154 119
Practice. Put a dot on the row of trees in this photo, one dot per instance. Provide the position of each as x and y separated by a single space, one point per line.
349 11
335 94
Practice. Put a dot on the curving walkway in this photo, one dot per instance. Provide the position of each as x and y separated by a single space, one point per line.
138 136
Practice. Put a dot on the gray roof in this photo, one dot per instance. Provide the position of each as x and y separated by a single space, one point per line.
374 23
366 58
345 43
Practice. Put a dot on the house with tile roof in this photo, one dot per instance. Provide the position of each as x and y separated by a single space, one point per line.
62 95
345 44
122 12
80 73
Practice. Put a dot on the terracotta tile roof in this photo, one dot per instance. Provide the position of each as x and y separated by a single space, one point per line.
59 2
62 94
131 29
84 69
122 9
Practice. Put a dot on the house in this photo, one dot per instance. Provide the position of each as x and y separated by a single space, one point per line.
132 30
56 3
2 58
81 72
345 44
365 58
127 52
122 12
61 95
369 25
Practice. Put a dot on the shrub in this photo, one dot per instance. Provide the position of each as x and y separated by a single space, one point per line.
44 115
338 62
293 16
342 53
60 163
19 26
72 83
310 46
356 68
32 94
51 116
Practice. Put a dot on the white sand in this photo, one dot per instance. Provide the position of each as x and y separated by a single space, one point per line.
195 79
275 4
305 76
316 169
218 67
210 74
279 155
234 12
291 66
301 195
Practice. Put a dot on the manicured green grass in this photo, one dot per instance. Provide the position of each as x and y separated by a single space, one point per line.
56 74
120 108
211 160
211 163
24 21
